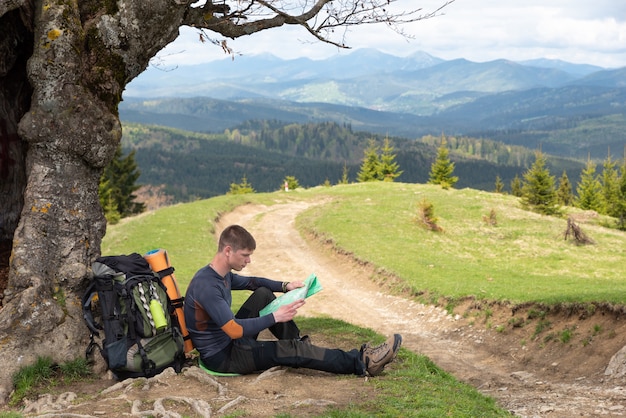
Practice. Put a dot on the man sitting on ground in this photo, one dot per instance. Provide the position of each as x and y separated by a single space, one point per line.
228 343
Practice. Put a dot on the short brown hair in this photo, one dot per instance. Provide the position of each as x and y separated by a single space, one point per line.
237 237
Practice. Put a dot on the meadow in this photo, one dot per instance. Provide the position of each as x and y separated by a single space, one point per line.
517 256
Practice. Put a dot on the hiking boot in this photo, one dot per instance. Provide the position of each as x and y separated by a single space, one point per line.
375 358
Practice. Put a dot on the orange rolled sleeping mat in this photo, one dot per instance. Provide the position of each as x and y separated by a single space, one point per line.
159 261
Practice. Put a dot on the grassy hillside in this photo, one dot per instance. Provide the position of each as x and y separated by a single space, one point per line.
523 258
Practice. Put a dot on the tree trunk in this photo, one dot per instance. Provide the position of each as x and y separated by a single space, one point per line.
15 91
69 137
14 101
64 67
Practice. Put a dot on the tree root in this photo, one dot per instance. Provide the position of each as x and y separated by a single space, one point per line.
269 373
234 402
199 406
62 405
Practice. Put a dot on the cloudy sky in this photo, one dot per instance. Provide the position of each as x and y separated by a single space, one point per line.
581 31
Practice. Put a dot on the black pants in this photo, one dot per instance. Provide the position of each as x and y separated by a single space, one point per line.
247 355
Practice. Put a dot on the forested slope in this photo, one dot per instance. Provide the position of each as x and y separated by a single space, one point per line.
198 165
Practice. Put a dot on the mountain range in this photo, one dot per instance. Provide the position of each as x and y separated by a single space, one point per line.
334 80
572 110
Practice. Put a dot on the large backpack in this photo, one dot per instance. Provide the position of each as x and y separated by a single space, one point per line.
127 301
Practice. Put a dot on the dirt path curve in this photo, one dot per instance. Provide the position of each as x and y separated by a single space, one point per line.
282 254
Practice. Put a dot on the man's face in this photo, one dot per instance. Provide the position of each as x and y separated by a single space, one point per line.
239 259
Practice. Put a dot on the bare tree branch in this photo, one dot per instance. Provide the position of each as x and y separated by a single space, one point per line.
319 17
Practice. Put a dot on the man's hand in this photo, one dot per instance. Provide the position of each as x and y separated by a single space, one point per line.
286 312
294 285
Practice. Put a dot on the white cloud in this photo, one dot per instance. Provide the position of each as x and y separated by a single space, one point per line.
584 31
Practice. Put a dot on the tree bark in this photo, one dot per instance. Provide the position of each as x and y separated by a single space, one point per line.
15 48
15 92
80 57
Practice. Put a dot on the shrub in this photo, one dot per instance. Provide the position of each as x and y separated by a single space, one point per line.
426 216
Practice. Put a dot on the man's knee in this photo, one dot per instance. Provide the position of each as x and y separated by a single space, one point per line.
256 301
263 293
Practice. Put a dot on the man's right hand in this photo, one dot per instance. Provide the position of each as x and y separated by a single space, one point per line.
286 312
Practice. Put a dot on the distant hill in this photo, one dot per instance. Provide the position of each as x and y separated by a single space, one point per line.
571 121
197 165
574 69
569 109
203 114
606 78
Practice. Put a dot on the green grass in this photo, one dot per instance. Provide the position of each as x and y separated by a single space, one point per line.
10 414
43 374
522 259
412 386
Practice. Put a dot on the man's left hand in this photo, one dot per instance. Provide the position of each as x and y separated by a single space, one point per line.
294 285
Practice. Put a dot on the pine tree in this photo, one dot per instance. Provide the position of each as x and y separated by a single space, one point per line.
426 216
388 166
118 184
499 185
610 195
344 175
589 188
516 186
622 195
242 188
564 193
441 170
538 191
370 168
109 206
292 182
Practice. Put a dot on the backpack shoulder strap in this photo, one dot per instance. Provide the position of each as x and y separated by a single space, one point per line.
93 326
90 292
